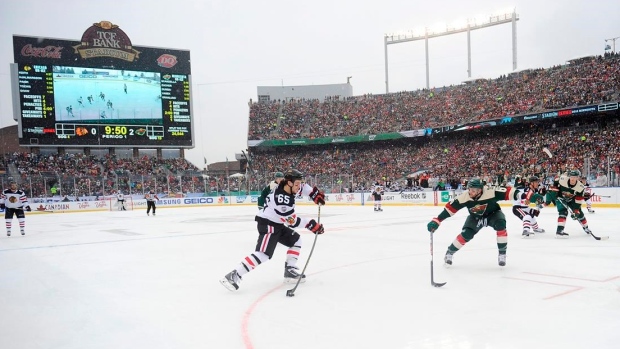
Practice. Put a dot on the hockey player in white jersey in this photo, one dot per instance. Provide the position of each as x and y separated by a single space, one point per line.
377 196
14 202
587 194
275 225
521 208
120 201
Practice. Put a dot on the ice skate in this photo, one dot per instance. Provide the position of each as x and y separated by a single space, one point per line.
560 234
539 230
448 258
291 274
380 209
526 233
587 231
8 233
23 232
590 210
501 260
231 281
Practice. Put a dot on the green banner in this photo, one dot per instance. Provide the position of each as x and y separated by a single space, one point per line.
326 140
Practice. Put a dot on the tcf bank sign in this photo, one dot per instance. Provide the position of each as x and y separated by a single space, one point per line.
105 39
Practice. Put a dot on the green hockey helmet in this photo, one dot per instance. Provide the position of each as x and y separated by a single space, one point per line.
475 183
293 175
279 175
574 173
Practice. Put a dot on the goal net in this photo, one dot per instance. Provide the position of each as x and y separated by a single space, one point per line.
115 205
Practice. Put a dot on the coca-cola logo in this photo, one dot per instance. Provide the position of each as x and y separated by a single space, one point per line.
42 52
167 60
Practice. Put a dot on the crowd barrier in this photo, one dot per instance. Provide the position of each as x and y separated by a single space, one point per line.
603 197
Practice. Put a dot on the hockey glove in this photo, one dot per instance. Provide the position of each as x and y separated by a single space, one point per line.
315 227
2 207
433 225
28 208
534 212
317 196
587 196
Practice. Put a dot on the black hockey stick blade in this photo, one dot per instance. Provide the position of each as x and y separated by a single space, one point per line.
599 237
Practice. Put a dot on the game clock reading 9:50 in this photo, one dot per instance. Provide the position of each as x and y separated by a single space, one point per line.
118 130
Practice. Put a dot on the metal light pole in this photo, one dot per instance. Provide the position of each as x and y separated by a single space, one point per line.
613 40
429 33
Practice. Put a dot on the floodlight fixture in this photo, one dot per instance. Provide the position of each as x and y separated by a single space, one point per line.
461 26
613 47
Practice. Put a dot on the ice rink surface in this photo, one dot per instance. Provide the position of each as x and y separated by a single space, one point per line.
125 280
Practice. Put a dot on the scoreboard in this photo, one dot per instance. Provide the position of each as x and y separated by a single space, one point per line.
62 99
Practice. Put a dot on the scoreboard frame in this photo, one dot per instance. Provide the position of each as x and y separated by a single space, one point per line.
59 92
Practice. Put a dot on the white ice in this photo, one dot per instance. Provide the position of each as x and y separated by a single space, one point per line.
126 280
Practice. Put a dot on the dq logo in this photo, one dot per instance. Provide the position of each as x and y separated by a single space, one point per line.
167 61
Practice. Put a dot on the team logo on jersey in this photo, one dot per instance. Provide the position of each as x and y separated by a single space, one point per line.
290 220
105 39
478 209
567 195
12 199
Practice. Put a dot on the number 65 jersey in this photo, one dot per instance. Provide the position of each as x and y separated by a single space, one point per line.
280 207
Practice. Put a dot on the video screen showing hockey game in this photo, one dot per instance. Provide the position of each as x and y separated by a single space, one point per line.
96 95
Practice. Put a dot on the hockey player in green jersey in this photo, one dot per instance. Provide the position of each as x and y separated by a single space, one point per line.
567 194
279 176
484 211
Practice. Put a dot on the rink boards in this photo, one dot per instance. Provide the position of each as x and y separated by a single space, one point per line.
603 197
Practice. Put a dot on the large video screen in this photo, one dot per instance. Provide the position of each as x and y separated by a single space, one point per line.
91 95
90 104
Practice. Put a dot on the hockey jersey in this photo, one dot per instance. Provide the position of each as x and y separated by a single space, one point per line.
525 196
483 207
280 207
151 197
14 199
263 195
562 189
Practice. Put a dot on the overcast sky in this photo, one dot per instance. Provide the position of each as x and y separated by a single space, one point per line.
239 45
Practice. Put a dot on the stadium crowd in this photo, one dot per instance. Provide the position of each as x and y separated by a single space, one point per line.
582 82
492 153
497 154
77 174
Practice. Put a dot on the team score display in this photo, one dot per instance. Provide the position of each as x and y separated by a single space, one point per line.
178 133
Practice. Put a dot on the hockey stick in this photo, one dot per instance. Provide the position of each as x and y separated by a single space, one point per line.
435 284
291 292
563 202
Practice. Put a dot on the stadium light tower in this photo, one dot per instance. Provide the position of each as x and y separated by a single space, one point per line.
471 24
613 40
